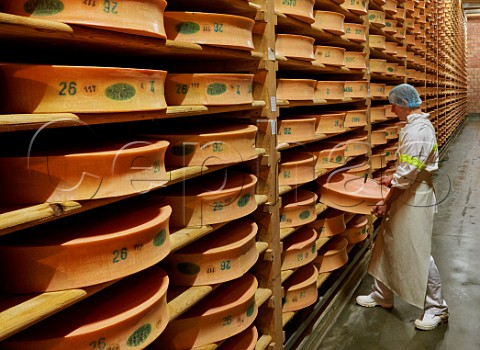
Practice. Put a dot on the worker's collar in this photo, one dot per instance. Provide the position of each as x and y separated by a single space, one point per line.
415 116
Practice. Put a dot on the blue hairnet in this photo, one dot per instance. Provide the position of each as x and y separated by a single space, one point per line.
404 95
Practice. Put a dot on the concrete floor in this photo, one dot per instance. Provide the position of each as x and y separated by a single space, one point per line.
456 250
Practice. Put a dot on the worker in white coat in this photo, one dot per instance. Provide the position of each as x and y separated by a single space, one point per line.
401 263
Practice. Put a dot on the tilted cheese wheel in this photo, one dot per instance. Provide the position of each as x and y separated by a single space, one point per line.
300 9
208 89
228 310
391 70
329 223
299 248
126 16
377 113
330 123
242 341
329 90
296 89
390 6
296 168
295 46
130 314
210 29
391 47
223 255
79 174
377 90
357 229
355 32
86 250
359 170
377 41
400 15
355 60
295 129
212 145
220 197
329 21
298 208
30 88
356 89
390 26
329 55
378 66
355 118
352 194
378 160
376 18
301 289
358 7
356 146
334 254
379 137
329 155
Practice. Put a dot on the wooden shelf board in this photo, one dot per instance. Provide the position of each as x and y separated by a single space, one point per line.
292 64
17 122
262 295
287 316
285 274
307 103
185 298
263 342
18 312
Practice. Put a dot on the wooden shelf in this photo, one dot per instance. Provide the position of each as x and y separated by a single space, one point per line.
290 104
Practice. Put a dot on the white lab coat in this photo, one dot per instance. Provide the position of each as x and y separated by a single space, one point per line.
401 254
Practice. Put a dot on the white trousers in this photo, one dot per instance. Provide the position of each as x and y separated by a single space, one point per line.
434 302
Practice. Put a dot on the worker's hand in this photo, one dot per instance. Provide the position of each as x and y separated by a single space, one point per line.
385 180
380 209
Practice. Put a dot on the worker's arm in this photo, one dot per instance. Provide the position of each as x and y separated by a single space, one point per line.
383 206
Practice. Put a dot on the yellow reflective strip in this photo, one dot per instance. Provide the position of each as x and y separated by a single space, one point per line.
435 147
405 158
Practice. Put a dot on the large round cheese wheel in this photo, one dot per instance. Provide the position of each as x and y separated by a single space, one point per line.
301 289
358 7
31 88
299 9
329 155
130 314
299 248
391 47
355 118
355 32
330 123
377 114
209 145
357 229
299 47
355 60
329 90
296 168
378 160
378 137
296 89
218 197
210 29
334 254
352 194
329 223
228 310
376 18
356 89
247 340
377 90
390 26
378 66
90 249
356 146
208 89
329 55
80 174
377 41
295 129
221 256
126 16
298 208
329 21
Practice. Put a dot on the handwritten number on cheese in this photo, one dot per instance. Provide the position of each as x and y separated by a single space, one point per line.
289 2
110 7
182 89
218 27
68 88
92 3
119 255
225 265
100 344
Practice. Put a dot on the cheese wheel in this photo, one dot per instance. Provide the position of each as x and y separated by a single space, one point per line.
208 89
334 255
329 55
352 194
377 113
227 311
355 60
355 32
377 89
409 5
400 15
391 68
296 168
356 89
247 340
330 123
410 23
377 18
390 7
356 146
210 29
299 249
377 66
127 16
31 88
402 71
84 251
391 153
329 21
299 9
357 7
377 41
295 129
298 208
301 289
390 26
296 89
378 161
378 137
355 118
359 170
400 33
329 223
392 132
299 47
357 229
223 255
329 155
130 314
218 197
81 174
329 90
208 146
